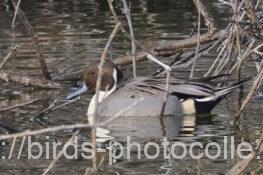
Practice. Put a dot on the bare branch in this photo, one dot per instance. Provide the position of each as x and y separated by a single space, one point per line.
34 37
127 13
98 83
209 20
29 80
198 4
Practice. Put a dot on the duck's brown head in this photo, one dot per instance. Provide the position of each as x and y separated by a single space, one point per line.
111 75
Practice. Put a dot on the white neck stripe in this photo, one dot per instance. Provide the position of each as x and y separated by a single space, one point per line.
102 95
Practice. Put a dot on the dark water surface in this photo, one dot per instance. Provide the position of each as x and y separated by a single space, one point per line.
73 33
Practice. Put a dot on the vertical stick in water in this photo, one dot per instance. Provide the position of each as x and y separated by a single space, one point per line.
127 13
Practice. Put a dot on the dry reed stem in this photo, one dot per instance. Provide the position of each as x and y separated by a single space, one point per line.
251 14
7 56
166 93
244 57
198 5
256 50
34 37
127 12
235 6
18 77
252 91
225 2
13 47
227 59
13 22
98 84
230 29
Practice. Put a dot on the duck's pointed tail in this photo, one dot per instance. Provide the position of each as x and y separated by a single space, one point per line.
208 103
226 90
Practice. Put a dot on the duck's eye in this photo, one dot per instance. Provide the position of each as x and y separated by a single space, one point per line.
92 73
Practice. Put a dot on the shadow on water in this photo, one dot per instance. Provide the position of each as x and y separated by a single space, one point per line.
73 33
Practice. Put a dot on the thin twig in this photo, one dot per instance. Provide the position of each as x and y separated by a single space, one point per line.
45 130
256 50
252 91
98 84
166 94
198 37
13 25
34 36
235 6
244 57
13 46
53 107
18 105
225 2
127 13
61 153
7 56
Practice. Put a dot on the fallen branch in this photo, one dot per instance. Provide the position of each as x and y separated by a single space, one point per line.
77 75
187 43
28 80
125 60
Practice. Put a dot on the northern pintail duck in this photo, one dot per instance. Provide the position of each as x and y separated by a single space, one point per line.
143 96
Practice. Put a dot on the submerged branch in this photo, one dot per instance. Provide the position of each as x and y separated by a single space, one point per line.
28 80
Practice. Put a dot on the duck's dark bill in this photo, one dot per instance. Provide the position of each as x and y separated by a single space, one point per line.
78 92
